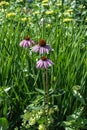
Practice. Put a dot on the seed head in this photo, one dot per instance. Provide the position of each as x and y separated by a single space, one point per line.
43 58
27 38
42 42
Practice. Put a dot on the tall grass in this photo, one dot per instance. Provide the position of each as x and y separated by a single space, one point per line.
21 83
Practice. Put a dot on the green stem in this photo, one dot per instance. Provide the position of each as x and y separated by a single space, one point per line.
47 88
47 99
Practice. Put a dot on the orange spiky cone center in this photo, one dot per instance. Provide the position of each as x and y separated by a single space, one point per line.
27 38
42 42
43 58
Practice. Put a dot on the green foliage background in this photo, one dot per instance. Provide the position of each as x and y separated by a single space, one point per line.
19 77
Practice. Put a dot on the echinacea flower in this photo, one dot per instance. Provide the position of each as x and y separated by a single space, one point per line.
27 42
44 63
42 47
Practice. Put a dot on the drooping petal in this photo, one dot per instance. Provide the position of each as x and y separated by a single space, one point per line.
35 48
39 61
50 63
32 41
45 64
26 43
41 50
29 43
47 51
42 65
39 64
49 48
21 43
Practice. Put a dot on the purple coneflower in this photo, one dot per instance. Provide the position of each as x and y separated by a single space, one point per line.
27 42
42 47
44 63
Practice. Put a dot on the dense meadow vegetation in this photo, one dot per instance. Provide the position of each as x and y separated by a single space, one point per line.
43 98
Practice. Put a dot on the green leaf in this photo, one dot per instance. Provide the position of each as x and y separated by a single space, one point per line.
40 91
79 96
7 89
68 128
3 123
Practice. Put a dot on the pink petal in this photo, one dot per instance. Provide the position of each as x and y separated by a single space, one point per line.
41 50
32 41
45 64
29 43
22 42
40 61
50 63
35 48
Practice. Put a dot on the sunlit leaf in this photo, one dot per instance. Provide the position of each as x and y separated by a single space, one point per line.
3 123
79 96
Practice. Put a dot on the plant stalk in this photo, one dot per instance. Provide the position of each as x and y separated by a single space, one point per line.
47 99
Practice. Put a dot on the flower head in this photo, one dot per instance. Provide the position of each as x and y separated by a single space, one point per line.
42 47
48 25
24 19
27 42
49 12
67 20
44 4
44 63
69 10
9 15
44 1
19 0
41 127
32 121
59 4
36 12
4 3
